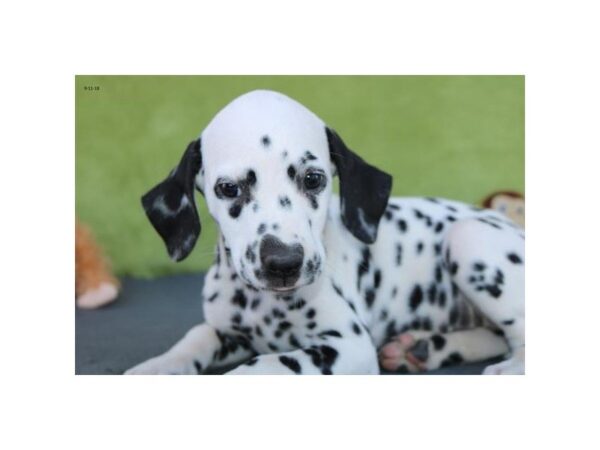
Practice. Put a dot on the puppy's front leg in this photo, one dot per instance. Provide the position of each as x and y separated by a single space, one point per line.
322 358
202 347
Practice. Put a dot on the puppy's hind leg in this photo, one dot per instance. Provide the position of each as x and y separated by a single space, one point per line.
486 261
416 351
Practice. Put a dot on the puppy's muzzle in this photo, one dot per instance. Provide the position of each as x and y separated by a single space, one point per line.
281 263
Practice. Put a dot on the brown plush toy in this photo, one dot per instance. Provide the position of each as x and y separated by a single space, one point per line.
509 203
95 285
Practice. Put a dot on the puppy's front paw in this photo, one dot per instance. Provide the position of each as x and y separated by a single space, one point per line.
167 364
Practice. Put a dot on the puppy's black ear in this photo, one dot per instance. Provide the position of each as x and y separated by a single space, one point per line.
171 208
364 190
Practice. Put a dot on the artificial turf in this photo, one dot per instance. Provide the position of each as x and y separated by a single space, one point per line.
459 137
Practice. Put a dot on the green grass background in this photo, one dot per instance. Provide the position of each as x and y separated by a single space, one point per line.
460 137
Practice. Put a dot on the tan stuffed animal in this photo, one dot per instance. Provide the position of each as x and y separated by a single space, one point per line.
95 285
511 204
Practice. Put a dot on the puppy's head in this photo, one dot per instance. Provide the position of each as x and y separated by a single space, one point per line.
265 165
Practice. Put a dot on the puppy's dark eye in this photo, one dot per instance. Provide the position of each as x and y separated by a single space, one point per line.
229 190
313 180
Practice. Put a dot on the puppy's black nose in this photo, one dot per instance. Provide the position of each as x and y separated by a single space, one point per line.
280 260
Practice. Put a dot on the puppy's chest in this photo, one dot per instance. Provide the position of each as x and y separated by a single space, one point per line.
269 323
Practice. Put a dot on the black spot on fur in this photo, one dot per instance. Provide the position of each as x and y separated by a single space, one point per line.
514 258
419 247
298 304
311 325
402 226
308 156
337 289
453 268
438 273
383 315
390 329
439 227
266 140
426 324
369 297
251 178
398 254
442 299
322 357
252 362
332 333
310 313
236 318
454 289
363 265
293 341
284 325
424 217
212 297
250 254
285 202
494 291
499 277
278 314
479 266
239 298
491 224
432 293
439 341
198 367
377 279
291 172
416 297
452 359
261 228
291 363
508 322
235 210
356 328
310 266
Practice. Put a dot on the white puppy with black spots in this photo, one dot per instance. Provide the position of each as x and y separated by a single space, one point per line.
306 282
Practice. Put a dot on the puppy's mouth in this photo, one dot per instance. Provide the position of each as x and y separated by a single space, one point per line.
283 289
286 285
282 284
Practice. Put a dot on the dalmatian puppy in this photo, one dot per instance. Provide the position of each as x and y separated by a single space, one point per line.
306 282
